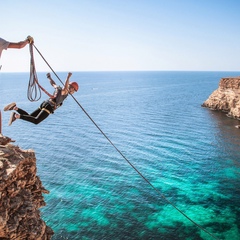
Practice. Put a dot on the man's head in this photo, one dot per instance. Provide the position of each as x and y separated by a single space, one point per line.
73 87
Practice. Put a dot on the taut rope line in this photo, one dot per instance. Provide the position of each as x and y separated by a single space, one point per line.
140 174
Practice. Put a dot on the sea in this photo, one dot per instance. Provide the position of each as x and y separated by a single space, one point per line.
133 155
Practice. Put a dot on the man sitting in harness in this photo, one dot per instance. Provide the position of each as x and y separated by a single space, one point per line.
48 106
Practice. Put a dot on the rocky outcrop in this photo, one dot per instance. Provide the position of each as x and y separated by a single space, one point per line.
226 98
20 194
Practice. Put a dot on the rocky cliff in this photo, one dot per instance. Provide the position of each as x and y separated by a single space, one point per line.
226 98
20 194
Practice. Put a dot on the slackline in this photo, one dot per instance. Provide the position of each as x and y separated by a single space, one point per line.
139 173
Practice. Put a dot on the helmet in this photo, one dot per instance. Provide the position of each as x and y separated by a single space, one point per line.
74 85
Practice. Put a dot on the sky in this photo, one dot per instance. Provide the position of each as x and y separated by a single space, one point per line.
123 35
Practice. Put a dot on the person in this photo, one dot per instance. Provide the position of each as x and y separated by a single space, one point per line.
47 107
4 45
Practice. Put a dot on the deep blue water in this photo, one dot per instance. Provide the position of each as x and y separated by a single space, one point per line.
189 153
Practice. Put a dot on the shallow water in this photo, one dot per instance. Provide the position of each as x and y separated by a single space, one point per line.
189 153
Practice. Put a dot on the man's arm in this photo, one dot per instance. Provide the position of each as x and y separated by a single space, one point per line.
21 44
65 88
51 80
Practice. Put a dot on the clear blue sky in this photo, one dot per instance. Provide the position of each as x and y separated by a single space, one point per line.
92 35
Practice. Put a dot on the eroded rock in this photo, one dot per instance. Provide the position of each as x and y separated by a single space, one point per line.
20 194
226 98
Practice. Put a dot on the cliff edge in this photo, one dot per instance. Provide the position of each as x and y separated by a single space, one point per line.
226 98
20 194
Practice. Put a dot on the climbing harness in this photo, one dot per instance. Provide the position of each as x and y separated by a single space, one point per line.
44 109
139 173
34 88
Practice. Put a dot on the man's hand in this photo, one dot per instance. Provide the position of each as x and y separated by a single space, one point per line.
30 39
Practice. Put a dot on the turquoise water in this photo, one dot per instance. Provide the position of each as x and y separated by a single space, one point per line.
189 153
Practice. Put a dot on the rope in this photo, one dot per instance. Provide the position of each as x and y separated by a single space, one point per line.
139 173
34 88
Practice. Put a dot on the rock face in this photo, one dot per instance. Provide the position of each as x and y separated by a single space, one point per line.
20 195
226 98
